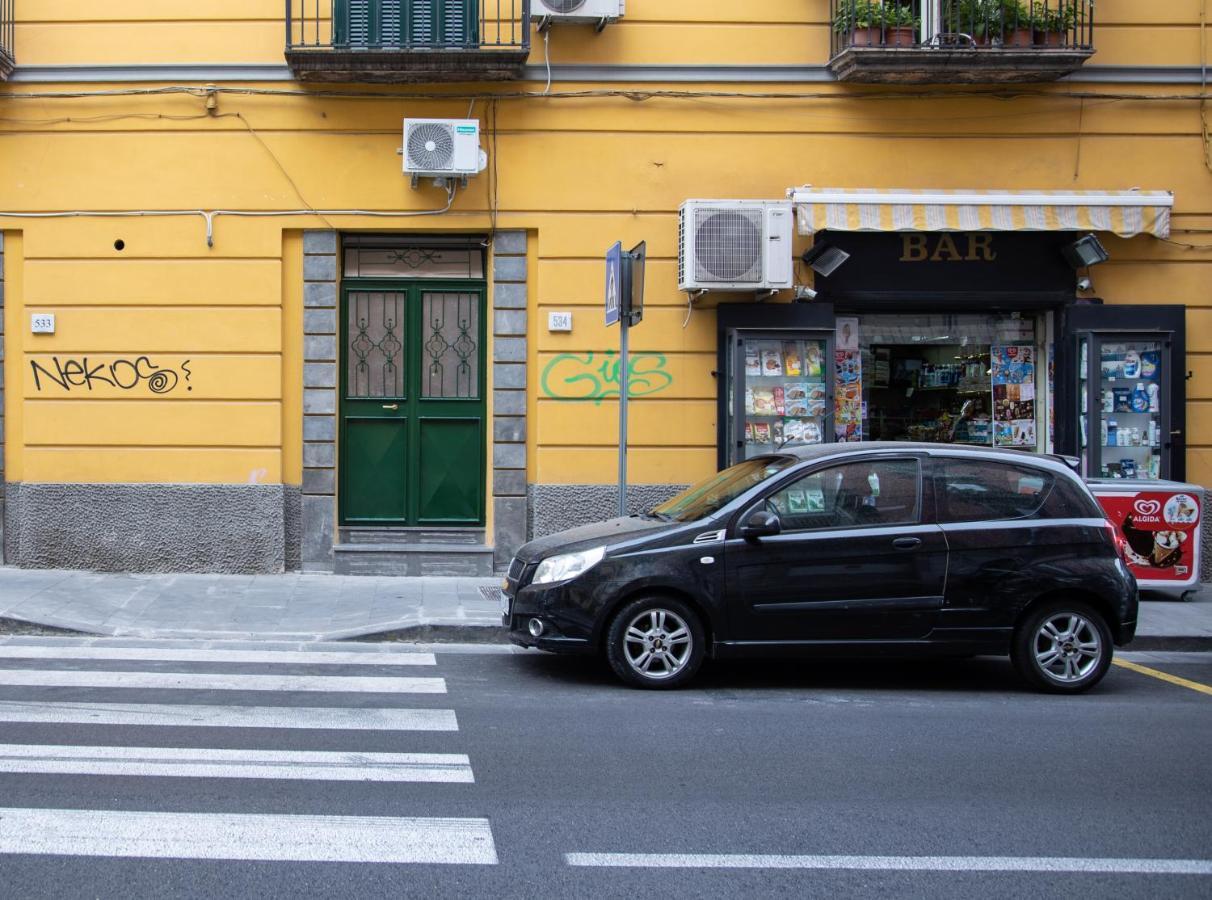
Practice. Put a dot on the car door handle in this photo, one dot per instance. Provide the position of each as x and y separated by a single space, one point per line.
906 543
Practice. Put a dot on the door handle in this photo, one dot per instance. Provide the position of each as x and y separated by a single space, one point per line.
906 543
391 405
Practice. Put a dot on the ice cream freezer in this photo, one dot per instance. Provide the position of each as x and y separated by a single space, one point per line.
1160 522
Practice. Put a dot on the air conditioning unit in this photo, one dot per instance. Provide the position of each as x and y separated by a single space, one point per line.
734 245
596 11
442 148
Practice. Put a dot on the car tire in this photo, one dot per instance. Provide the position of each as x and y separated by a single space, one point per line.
1062 647
655 643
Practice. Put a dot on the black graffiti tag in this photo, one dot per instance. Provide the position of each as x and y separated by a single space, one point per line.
124 374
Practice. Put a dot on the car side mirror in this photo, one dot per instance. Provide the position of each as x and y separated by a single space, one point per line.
761 524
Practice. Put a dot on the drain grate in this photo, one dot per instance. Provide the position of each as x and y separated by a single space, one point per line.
490 593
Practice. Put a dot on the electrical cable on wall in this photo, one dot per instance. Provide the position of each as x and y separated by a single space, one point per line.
637 95
209 215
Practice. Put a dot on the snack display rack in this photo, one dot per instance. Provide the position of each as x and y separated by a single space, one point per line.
786 393
781 391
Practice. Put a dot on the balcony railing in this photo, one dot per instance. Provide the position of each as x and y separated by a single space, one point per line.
6 39
960 40
407 40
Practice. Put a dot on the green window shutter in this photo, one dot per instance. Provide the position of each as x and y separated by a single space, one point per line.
405 23
390 21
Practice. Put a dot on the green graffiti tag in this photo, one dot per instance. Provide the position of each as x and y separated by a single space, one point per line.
595 376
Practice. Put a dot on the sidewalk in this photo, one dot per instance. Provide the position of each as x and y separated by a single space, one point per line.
293 606
338 607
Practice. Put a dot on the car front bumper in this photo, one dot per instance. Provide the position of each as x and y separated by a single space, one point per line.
567 624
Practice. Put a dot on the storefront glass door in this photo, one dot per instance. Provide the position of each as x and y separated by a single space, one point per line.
1124 381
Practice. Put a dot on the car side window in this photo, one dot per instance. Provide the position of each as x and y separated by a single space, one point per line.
852 495
981 490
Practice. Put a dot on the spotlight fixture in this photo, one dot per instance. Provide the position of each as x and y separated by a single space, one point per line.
824 259
1085 252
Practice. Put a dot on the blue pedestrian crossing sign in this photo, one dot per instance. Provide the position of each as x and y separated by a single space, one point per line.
614 282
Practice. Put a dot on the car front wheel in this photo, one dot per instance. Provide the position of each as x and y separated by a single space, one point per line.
1063 647
655 643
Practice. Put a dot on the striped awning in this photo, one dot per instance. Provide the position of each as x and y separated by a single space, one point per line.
1125 213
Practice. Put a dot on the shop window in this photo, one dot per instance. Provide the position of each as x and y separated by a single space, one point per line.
962 379
872 493
983 491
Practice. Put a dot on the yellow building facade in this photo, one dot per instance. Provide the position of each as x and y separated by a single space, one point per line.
211 251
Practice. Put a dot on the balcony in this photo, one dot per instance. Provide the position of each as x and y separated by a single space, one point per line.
7 64
406 41
960 41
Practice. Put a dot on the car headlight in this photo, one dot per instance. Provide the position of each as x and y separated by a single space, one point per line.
567 565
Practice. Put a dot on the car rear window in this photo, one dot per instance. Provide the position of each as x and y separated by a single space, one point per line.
1068 500
981 490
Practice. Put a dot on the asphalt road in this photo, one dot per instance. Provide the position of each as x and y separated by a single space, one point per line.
527 772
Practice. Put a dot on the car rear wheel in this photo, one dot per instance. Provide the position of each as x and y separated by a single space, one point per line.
1062 647
656 642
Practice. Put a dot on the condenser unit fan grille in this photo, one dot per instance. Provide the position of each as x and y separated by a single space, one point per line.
430 147
563 6
728 245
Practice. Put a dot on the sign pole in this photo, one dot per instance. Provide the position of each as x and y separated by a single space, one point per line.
625 306
625 327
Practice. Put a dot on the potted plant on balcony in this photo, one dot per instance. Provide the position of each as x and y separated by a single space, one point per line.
992 23
871 23
1053 22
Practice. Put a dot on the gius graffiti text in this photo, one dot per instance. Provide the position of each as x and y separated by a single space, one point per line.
595 376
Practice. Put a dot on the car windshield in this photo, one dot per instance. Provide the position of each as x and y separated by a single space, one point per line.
708 496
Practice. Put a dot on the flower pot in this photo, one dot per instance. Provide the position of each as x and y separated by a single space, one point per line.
899 36
1019 37
1050 38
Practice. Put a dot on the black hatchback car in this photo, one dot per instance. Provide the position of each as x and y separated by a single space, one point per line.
885 548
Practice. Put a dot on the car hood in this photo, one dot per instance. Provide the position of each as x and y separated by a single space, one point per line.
612 531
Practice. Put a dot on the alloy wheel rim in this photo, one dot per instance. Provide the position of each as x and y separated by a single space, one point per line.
1067 647
657 644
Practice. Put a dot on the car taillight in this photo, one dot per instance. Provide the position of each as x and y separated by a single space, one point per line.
1121 545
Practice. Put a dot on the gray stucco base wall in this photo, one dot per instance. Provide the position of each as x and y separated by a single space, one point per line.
554 507
147 527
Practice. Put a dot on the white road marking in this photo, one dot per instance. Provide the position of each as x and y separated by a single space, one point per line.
1049 864
296 717
294 765
226 682
157 654
81 832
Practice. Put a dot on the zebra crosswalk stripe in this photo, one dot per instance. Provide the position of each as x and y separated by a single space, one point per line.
294 765
220 682
277 838
198 716
164 654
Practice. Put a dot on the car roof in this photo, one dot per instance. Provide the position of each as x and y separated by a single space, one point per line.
1000 454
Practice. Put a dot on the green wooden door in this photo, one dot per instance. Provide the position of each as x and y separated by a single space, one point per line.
412 404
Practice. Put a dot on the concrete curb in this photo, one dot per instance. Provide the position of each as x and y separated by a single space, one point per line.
9 625
439 634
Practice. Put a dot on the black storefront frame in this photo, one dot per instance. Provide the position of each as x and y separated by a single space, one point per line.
1055 293
1102 322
